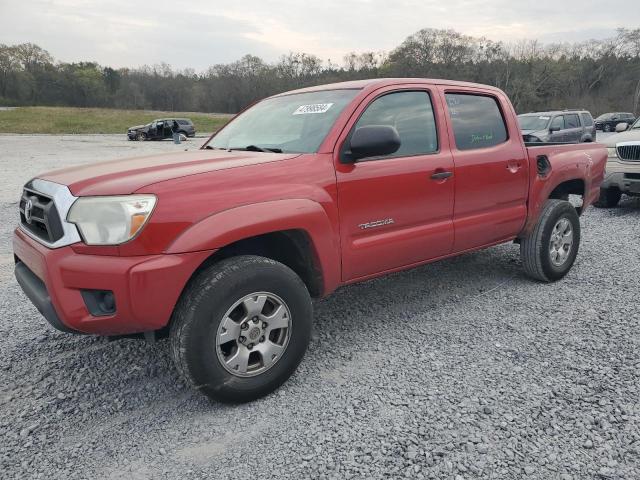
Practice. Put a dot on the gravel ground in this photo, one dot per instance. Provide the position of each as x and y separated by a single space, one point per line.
462 369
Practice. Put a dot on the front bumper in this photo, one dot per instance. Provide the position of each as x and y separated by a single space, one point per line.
146 288
624 176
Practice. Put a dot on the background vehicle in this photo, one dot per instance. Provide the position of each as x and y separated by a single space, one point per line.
161 129
607 122
623 167
558 126
224 247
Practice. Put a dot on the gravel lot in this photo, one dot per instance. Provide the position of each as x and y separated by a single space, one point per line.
462 369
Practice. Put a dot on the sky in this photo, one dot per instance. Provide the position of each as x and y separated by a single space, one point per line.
199 33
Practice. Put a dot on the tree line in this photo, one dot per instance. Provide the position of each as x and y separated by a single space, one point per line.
599 75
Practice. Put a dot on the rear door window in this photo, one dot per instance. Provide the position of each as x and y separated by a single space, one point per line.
572 121
477 121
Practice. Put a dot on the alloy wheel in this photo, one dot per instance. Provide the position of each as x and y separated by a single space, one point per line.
561 242
253 334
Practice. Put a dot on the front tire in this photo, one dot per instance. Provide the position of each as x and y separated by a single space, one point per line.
550 251
606 127
141 137
609 198
241 328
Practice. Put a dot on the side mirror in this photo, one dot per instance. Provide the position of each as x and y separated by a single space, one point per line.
374 141
554 128
622 127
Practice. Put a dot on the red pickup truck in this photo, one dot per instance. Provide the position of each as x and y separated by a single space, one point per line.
223 248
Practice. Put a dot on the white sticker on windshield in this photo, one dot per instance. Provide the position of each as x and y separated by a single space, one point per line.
315 108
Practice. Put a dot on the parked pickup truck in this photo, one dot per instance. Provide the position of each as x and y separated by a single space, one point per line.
223 248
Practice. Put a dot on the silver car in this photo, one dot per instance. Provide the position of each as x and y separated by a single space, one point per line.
572 126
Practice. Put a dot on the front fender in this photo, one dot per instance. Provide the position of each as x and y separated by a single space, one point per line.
229 226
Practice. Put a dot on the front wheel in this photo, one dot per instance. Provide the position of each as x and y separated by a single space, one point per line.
550 251
607 127
141 137
241 328
609 198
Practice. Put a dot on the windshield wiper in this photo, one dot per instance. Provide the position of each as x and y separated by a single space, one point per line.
255 148
209 147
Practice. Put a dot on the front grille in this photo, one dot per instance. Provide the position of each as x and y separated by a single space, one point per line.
631 153
38 215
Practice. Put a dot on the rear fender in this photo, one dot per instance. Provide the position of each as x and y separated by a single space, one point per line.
229 226
542 186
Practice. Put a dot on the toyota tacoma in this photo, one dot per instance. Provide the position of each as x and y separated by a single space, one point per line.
223 248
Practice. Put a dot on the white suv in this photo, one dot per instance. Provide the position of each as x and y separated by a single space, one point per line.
623 166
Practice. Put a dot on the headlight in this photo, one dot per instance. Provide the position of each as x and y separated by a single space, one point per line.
111 220
612 152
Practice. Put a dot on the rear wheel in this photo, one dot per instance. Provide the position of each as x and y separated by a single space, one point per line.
241 328
550 251
609 198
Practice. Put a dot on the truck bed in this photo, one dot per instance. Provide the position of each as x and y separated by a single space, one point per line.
568 162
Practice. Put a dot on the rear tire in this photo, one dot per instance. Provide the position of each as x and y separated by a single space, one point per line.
217 317
550 251
609 198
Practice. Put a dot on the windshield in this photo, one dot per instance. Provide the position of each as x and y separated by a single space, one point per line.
605 116
533 122
295 123
636 124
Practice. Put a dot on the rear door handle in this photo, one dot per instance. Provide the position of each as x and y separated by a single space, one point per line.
441 175
513 166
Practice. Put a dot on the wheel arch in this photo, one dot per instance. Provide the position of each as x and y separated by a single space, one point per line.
543 190
562 191
297 233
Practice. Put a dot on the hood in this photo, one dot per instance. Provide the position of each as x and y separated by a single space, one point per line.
120 177
628 136
137 127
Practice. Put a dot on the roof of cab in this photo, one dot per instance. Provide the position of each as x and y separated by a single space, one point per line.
375 83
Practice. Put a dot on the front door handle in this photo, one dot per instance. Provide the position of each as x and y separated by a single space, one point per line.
441 175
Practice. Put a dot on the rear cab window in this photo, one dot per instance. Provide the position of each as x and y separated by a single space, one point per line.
477 120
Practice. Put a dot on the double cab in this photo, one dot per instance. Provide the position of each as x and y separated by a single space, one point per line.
222 249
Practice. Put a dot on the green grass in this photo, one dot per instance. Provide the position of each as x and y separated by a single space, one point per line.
57 120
